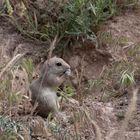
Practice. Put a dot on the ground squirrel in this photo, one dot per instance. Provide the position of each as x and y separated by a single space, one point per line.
43 90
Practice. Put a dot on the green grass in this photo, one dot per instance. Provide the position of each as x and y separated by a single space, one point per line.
9 129
121 74
127 78
71 20
27 64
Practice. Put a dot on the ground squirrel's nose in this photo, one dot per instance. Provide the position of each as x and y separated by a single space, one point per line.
68 66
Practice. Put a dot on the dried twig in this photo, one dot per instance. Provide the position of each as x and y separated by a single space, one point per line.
82 71
130 110
110 135
52 46
11 64
95 126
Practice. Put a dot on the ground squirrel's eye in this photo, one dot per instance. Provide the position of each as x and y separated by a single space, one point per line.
58 64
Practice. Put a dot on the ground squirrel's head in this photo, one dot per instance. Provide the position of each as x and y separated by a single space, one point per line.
56 66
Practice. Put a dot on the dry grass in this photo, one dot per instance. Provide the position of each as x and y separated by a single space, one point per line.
81 118
11 64
128 115
96 128
14 100
18 101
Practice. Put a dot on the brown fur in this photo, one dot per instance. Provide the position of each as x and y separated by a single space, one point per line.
53 74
